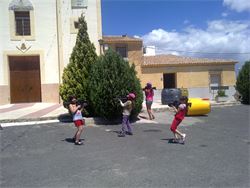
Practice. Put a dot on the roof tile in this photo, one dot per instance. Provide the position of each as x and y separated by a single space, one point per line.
167 59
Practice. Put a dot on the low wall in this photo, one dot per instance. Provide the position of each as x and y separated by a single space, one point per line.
199 93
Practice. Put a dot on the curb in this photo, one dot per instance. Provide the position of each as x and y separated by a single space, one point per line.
97 120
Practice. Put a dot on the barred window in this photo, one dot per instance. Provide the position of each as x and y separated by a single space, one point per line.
22 19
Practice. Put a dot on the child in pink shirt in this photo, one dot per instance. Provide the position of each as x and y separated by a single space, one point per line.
149 94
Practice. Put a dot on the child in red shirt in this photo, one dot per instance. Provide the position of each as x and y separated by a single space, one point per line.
179 116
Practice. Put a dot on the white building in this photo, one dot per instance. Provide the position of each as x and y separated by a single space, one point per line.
36 40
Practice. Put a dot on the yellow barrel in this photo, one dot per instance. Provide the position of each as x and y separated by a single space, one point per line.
198 106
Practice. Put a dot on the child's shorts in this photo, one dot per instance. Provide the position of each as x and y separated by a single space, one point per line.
79 122
149 104
175 124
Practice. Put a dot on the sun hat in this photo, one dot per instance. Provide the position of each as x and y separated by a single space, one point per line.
131 95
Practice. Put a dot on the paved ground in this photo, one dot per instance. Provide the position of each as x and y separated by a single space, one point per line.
216 154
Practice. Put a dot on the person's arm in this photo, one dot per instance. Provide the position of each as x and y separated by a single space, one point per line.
122 104
125 104
181 107
175 109
79 107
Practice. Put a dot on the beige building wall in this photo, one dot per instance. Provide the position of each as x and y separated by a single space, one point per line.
154 78
135 53
188 76
192 79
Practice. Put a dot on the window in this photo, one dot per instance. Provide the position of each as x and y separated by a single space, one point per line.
215 80
21 15
122 51
76 24
22 23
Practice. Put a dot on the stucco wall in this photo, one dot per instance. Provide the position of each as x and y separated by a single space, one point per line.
45 41
135 53
188 76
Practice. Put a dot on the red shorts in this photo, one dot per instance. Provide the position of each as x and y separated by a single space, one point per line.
175 124
79 122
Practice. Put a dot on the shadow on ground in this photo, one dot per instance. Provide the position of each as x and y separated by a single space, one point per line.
172 141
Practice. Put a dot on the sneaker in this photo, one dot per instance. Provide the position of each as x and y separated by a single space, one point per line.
129 133
183 137
121 134
78 143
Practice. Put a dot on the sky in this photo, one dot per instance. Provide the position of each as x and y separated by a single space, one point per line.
194 28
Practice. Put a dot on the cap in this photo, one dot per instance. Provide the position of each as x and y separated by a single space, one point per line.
149 84
131 95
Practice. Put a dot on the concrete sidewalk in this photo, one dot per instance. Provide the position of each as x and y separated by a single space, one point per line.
24 112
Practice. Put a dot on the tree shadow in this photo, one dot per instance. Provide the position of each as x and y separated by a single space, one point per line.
65 118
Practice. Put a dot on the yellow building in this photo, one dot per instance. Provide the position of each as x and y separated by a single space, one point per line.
128 47
169 71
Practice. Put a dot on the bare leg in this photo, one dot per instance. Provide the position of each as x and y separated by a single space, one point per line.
78 133
178 133
150 114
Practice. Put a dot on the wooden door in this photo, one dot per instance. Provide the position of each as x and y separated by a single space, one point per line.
25 83
169 80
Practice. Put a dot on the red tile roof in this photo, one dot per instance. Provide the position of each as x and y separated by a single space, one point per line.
162 60
124 38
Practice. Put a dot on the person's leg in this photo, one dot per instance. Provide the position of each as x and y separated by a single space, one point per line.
123 131
150 114
179 133
78 134
173 127
129 127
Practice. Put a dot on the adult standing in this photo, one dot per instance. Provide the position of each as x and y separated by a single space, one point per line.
149 95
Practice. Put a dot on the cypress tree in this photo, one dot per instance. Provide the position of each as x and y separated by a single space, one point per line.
113 77
243 82
76 75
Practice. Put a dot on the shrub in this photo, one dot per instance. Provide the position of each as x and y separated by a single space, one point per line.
243 82
113 77
76 75
221 93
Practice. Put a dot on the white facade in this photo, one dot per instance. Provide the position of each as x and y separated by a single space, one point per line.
149 51
52 39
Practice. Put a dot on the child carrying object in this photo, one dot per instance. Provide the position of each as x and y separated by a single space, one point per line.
179 116
127 108
78 120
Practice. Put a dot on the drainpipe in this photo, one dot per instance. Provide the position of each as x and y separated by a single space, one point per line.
59 42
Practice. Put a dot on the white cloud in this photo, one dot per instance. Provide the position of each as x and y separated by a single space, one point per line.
221 39
238 5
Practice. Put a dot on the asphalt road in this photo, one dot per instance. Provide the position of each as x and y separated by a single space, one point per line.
216 154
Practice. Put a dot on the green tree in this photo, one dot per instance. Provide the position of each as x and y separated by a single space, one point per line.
113 77
243 82
76 75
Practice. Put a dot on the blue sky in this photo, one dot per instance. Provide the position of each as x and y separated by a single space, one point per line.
210 28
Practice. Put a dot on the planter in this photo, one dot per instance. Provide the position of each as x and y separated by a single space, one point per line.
221 99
